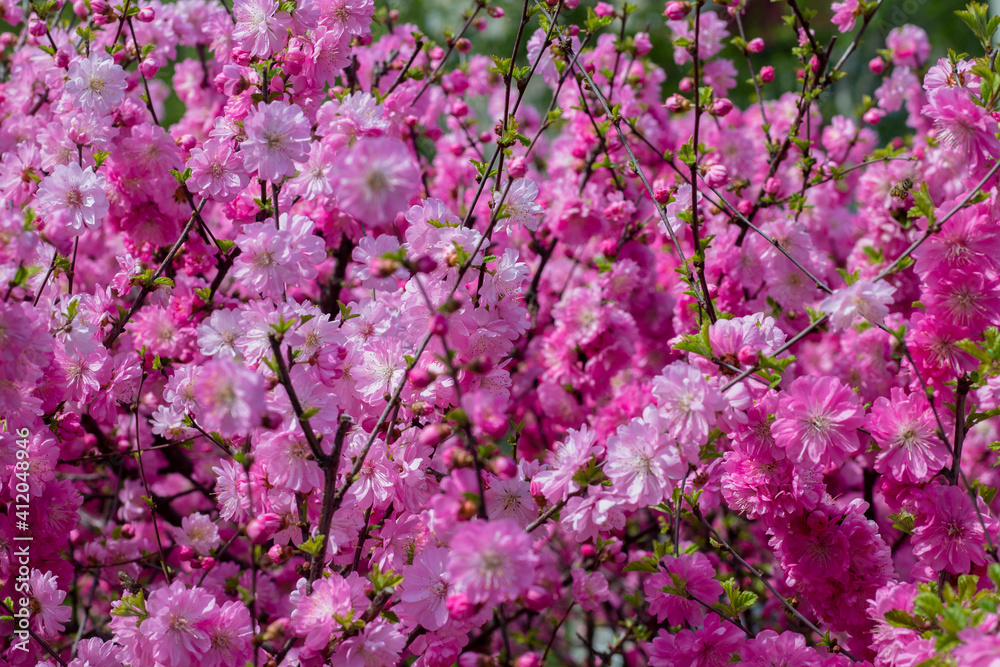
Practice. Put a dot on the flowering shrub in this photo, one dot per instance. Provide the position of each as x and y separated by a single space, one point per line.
371 359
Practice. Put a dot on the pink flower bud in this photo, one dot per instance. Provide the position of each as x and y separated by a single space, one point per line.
814 64
436 53
460 607
538 599
661 195
604 9
207 563
146 15
98 6
587 550
37 28
876 65
721 107
240 57
294 61
529 659
433 435
872 116
480 23
278 553
767 74
102 20
642 43
517 168
747 355
504 467
755 45
676 11
495 12
425 264
421 378
439 325
463 45
186 142
717 176
81 9
460 109
686 85
62 59
186 552
744 207
677 103
772 186
262 528
149 67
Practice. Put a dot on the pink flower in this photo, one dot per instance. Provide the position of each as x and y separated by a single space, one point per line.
709 646
520 208
263 265
377 177
177 627
978 647
425 589
229 634
961 124
787 649
278 136
869 300
199 532
695 576
569 457
230 398
589 589
491 561
260 28
817 420
844 14
96 83
952 538
217 171
909 45
351 16
315 615
905 429
74 197
378 645
642 457
688 403
51 615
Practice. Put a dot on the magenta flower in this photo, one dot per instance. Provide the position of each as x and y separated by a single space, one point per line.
74 197
962 125
905 429
642 458
844 14
818 420
688 403
217 171
52 615
278 136
315 616
568 458
351 16
951 538
491 561
230 398
177 627
695 575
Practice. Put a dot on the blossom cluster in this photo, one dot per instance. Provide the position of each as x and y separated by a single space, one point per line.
367 358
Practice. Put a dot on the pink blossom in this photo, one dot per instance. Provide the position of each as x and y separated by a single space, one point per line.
491 561
260 28
951 538
905 429
74 197
844 14
817 420
376 179
230 398
52 615
642 457
96 83
686 575
688 403
177 627
869 300
277 137
217 171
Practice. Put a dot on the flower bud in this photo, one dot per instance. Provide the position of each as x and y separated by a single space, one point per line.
433 435
186 142
744 207
436 53
517 168
280 553
717 176
146 15
460 109
149 67
538 599
186 552
772 186
661 195
872 116
676 11
293 63
495 12
747 355
814 64
587 550
421 378
604 9
529 659
102 20
207 563
425 264
686 85
463 45
37 28
876 65
755 45
460 607
62 59
439 325
81 9
721 107
677 103
767 74
642 44
262 528
99 6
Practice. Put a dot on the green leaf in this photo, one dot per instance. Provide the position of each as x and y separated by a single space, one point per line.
647 564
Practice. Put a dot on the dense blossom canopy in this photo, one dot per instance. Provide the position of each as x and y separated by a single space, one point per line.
382 351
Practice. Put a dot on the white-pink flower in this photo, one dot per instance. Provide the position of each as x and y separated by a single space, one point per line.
278 136
260 28
96 83
520 207
74 197
863 298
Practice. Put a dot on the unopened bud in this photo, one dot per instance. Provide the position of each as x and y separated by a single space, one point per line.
146 15
755 45
676 11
